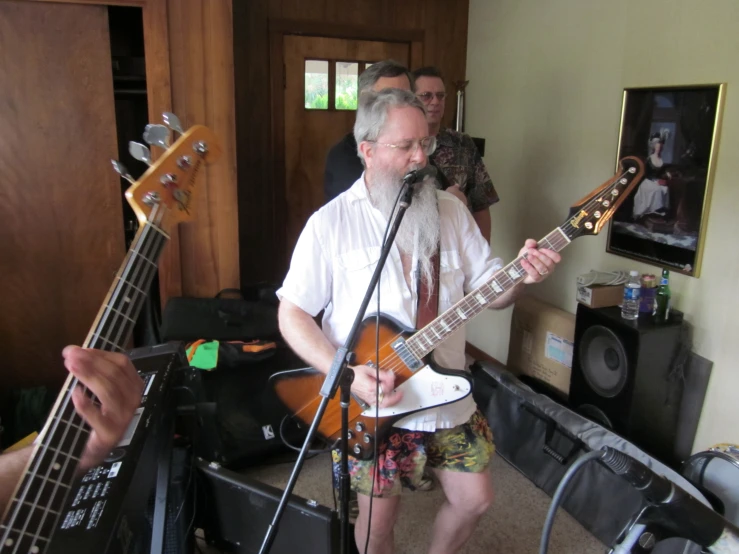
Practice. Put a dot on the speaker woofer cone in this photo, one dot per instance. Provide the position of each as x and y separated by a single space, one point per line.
603 360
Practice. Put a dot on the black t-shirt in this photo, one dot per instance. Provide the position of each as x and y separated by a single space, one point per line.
343 167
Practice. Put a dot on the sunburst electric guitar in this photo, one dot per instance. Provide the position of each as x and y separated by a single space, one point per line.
162 197
409 353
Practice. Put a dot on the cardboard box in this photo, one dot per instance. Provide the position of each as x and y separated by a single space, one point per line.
542 342
600 296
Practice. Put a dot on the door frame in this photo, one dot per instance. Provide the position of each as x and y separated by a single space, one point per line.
159 100
278 29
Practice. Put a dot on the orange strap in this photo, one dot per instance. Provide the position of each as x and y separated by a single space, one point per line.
254 346
193 347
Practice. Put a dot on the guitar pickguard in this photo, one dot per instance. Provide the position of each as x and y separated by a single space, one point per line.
425 389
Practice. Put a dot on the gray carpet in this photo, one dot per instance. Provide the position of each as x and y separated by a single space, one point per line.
512 526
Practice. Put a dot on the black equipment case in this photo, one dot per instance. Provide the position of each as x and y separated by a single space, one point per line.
541 438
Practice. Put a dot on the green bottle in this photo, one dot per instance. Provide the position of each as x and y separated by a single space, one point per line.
664 295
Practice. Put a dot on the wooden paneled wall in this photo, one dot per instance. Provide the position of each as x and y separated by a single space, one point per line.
441 23
204 255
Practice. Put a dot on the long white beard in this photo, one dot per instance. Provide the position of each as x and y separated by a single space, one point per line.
419 230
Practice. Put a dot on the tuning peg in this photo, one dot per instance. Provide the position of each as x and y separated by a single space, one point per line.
121 170
173 122
157 135
140 152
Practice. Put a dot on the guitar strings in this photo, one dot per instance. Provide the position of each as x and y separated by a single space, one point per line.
472 308
465 302
57 419
396 364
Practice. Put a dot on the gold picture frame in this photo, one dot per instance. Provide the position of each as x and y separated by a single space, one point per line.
675 130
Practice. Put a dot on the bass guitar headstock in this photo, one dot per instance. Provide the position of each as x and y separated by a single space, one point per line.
589 214
164 195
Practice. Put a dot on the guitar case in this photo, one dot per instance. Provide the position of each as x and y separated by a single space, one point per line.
232 315
541 438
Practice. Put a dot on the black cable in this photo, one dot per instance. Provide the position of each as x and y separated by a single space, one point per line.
283 438
195 399
194 503
375 454
193 442
559 493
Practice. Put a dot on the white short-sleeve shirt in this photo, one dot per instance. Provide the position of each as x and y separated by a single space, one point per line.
336 256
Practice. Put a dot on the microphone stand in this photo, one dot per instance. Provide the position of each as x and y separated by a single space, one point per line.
340 375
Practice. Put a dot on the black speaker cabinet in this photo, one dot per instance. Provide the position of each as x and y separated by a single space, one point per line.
235 512
622 378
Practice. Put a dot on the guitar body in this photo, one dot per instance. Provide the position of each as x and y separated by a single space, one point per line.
425 388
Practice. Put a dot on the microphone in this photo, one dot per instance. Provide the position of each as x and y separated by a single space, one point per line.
418 175
674 509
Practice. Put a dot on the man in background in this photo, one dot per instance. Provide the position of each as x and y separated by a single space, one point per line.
343 166
462 171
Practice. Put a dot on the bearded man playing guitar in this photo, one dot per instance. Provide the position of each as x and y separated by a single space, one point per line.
331 267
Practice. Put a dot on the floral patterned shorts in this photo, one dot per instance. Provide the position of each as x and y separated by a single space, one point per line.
402 457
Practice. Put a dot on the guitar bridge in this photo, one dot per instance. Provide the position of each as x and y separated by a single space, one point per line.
407 357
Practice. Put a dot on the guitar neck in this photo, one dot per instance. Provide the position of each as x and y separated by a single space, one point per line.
427 339
40 496
117 316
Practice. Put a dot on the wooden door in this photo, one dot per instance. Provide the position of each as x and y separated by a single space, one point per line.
60 201
311 132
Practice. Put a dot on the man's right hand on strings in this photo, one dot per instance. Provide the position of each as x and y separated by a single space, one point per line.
365 386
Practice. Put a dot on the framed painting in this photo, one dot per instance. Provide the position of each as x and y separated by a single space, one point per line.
675 131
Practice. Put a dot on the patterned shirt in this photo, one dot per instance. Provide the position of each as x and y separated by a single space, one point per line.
459 160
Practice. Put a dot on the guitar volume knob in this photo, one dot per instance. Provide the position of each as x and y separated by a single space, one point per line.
357 449
359 426
367 438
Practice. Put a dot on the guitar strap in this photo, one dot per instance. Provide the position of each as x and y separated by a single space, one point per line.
428 295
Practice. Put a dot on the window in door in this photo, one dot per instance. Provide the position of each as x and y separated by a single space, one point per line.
316 84
347 74
332 85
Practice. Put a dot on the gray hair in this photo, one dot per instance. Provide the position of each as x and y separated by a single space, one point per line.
386 68
373 109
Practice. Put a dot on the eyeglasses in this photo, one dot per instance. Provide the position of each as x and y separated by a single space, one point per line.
426 97
427 144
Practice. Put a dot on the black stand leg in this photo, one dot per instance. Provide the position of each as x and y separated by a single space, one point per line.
344 482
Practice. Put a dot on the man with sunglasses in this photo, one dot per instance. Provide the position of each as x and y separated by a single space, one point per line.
331 267
462 170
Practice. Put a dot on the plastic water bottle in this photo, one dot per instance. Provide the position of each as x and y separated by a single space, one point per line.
632 293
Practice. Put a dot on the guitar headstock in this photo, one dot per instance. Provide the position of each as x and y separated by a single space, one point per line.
164 195
589 214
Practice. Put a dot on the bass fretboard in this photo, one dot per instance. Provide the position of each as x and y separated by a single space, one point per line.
41 495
